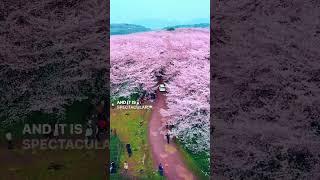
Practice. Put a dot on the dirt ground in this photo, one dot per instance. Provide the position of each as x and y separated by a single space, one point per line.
166 154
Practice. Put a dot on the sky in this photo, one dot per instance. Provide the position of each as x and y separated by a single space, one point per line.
159 13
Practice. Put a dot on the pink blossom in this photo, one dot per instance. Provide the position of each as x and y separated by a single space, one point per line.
181 59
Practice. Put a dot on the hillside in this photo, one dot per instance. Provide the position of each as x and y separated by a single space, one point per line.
200 25
118 29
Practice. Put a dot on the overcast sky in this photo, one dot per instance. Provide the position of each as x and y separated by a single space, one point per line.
169 12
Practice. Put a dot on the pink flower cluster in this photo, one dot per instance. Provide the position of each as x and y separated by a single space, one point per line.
181 59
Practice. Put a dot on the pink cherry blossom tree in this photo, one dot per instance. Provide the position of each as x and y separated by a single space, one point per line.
181 59
48 60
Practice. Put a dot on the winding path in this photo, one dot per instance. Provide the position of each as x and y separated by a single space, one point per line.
166 154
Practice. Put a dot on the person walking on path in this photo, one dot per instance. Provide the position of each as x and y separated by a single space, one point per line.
102 124
168 138
101 121
113 168
160 169
88 135
126 167
128 146
9 140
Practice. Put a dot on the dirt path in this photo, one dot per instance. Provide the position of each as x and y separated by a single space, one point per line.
164 153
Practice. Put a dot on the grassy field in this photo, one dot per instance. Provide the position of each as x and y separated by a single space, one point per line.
132 127
52 164
199 164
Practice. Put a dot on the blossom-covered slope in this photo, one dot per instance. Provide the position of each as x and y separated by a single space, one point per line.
266 84
52 53
181 59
